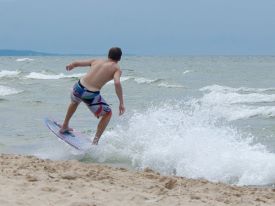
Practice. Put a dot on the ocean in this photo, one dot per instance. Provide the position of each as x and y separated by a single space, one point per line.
208 117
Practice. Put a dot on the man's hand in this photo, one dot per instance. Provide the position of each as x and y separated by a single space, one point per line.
69 67
121 109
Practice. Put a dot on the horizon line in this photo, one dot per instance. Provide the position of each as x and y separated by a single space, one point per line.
27 52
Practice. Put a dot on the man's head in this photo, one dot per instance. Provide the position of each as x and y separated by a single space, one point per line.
115 53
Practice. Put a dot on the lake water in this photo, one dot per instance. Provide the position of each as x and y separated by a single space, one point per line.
199 117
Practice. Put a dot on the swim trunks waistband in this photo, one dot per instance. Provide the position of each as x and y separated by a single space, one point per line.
86 88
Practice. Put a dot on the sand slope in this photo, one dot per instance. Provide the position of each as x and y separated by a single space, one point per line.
27 180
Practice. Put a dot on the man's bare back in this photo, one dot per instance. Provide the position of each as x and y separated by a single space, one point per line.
100 73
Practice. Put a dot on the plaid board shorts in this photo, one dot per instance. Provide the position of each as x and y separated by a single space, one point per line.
94 101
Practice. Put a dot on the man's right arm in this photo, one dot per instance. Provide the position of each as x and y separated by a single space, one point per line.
79 64
119 92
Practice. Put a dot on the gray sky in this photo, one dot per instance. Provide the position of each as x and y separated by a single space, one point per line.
143 27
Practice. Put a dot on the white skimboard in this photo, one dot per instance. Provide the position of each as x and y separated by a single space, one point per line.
74 138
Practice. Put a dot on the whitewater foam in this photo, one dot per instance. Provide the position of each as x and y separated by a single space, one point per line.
37 75
186 71
232 104
142 80
4 91
170 85
234 98
182 140
24 59
158 82
7 73
219 88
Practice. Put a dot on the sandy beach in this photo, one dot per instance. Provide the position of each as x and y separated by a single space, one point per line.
27 180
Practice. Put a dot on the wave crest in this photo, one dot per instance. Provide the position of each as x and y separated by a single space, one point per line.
37 75
4 91
7 73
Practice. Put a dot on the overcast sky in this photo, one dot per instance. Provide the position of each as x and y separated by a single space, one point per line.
143 27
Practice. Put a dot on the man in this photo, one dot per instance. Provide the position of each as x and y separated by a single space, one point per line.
87 89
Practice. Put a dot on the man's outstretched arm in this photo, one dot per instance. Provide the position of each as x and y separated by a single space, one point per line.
119 91
79 64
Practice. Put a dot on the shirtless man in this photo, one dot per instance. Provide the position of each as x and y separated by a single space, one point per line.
87 89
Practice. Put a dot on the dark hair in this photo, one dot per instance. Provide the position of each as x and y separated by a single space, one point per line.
115 53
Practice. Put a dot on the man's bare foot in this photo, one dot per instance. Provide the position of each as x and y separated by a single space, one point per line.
65 129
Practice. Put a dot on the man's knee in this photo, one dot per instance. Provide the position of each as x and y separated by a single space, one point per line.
74 103
109 114
105 115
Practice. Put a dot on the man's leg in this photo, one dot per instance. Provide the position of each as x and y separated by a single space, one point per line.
71 110
101 126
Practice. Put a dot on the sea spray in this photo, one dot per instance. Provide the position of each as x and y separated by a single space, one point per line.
182 139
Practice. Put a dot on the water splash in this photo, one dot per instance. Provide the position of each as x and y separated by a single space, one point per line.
185 140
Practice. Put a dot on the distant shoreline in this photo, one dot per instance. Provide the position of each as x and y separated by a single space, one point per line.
11 52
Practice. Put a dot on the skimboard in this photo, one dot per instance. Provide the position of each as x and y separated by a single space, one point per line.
73 138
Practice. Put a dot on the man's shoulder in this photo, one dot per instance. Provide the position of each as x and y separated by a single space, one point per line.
114 66
98 61
117 66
